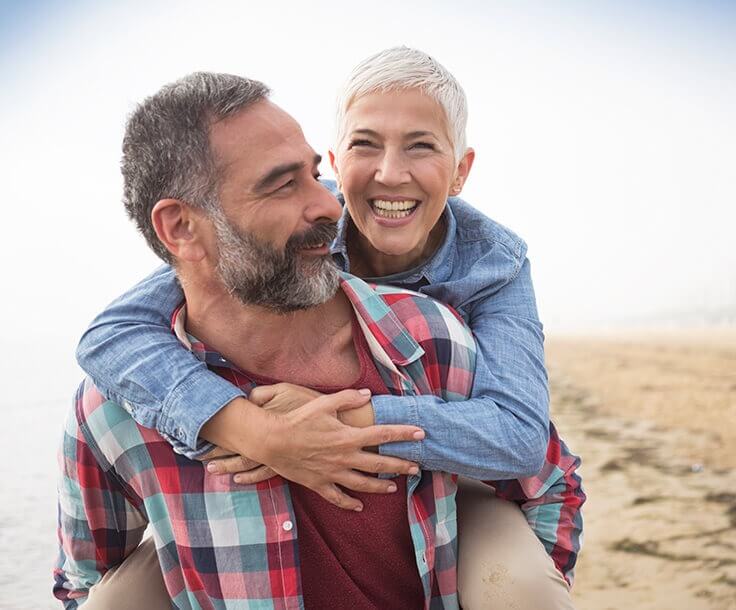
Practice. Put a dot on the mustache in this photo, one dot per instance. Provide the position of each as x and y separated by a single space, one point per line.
323 233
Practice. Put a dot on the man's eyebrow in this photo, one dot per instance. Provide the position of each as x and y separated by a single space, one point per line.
280 170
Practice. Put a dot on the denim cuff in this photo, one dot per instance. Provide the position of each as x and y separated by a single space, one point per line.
398 410
192 404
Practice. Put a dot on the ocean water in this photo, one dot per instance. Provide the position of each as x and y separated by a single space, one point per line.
30 438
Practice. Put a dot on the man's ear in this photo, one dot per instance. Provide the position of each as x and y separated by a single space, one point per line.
179 227
462 171
333 164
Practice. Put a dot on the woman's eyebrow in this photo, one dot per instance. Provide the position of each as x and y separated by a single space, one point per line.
412 134
365 132
420 134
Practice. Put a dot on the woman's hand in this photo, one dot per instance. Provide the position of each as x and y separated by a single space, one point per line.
304 440
282 397
277 398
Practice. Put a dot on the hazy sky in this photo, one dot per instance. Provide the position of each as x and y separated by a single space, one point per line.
605 136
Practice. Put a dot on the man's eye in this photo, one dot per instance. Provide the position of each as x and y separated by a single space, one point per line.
286 185
422 146
359 143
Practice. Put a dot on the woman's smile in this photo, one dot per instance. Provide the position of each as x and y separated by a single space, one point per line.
393 209
396 165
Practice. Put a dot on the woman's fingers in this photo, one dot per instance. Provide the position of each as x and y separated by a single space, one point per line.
373 436
261 394
215 453
345 399
231 465
382 464
334 495
367 484
261 473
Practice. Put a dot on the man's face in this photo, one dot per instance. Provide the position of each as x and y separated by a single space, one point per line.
275 221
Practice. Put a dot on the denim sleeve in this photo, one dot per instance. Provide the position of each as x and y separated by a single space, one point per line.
502 431
133 357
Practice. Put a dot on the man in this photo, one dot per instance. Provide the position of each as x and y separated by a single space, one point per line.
246 226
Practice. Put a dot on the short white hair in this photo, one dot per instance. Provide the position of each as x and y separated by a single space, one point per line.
404 68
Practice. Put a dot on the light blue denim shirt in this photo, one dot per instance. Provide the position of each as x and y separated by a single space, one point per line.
480 269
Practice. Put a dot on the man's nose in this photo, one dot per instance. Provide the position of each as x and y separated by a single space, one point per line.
322 205
392 169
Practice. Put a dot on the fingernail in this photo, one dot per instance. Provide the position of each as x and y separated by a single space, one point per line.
358 509
419 435
211 467
413 470
364 392
392 488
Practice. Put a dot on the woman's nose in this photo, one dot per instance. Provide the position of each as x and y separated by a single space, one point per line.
392 169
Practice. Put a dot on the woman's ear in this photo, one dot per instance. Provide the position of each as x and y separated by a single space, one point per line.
179 227
333 165
462 171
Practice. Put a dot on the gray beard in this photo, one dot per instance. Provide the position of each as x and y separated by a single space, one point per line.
258 274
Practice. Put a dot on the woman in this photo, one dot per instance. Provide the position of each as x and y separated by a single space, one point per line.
399 153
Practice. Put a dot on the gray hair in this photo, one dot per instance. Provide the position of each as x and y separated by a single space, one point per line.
166 148
404 68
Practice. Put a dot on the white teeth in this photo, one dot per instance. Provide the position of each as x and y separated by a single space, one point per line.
394 209
394 205
390 214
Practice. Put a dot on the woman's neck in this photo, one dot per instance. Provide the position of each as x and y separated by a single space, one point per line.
366 261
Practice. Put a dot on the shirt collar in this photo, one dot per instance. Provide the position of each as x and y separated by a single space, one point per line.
437 269
390 342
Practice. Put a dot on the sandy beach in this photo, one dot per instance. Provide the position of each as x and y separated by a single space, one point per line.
653 416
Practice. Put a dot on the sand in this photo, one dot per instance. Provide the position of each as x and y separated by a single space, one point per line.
653 416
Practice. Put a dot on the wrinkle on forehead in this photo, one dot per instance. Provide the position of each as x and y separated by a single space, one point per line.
250 136
400 111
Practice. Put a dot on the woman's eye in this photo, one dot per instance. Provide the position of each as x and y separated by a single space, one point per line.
354 143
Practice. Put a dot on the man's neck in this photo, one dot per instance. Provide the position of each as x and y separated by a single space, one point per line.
273 345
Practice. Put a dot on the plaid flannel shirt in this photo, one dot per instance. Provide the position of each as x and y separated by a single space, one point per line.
222 545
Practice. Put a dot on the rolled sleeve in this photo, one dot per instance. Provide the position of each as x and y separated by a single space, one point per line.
502 431
134 358
192 404
398 410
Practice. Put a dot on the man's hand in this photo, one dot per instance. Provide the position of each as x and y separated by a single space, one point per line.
310 446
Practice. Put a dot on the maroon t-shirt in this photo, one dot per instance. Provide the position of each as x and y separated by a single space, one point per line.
351 560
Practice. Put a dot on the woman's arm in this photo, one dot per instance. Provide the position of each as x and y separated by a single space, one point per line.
502 432
133 357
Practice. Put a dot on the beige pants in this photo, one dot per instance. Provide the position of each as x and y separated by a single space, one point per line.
501 566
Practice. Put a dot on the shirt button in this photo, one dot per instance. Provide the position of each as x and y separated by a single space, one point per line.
287 525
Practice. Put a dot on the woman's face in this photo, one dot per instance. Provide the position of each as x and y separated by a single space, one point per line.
395 165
